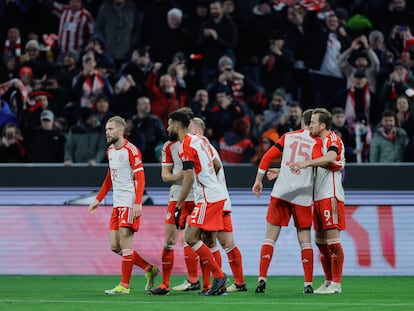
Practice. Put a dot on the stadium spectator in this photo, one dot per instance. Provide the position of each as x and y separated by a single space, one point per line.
29 118
139 66
171 39
294 42
165 96
385 57
363 58
236 146
389 141
125 96
217 35
267 140
292 120
86 140
359 100
399 82
118 23
324 41
103 113
89 83
75 25
405 120
225 111
148 132
11 146
341 128
277 108
13 44
45 143
277 65
6 115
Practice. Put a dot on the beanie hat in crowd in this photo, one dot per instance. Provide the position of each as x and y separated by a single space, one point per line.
32 44
402 64
280 92
225 60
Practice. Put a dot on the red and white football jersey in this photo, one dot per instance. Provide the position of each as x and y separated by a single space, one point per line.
328 181
222 180
170 157
206 186
123 163
297 146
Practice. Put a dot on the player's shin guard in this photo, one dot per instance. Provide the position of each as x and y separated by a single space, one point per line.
126 266
337 259
191 262
307 261
266 255
325 258
207 258
236 264
167 260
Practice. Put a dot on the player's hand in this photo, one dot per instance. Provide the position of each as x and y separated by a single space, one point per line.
272 173
257 188
137 210
177 216
93 206
297 166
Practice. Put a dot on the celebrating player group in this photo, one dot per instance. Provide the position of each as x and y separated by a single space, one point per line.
308 187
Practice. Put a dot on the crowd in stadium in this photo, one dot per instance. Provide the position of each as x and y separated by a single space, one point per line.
247 68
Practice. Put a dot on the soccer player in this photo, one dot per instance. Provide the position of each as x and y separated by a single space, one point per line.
329 199
172 172
199 169
291 196
225 236
126 177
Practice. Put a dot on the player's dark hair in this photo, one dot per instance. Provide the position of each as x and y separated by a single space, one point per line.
324 116
183 116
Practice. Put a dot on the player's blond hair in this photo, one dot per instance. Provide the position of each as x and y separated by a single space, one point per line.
200 123
118 120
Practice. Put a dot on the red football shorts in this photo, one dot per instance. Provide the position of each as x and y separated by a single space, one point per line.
329 214
280 211
186 209
227 224
122 217
207 216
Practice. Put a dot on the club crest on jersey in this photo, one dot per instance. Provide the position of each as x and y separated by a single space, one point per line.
121 158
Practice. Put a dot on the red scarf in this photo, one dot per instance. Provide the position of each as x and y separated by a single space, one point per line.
350 104
16 47
91 87
390 136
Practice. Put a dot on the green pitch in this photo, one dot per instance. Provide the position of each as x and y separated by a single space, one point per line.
282 293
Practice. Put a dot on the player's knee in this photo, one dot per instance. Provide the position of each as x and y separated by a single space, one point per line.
117 250
169 246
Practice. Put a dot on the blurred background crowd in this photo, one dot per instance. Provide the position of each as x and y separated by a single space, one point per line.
247 68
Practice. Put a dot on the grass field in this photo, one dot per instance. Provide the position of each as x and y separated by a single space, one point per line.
282 293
